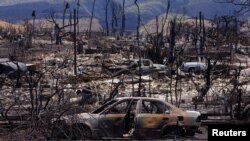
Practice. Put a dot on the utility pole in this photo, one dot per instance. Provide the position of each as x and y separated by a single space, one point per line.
156 53
31 35
123 18
34 17
77 12
138 43
75 70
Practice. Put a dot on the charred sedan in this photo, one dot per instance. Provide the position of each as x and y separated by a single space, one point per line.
133 117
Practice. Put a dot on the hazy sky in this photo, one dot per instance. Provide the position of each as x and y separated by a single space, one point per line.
11 2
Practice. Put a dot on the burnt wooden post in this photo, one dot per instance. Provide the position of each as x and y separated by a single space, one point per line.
33 28
80 47
75 70
195 106
195 40
77 12
140 70
34 17
157 39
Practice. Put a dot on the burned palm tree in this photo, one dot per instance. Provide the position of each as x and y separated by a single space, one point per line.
58 29
116 10
91 19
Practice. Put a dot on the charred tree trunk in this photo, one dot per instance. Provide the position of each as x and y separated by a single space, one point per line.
172 40
70 22
205 88
202 34
57 33
171 53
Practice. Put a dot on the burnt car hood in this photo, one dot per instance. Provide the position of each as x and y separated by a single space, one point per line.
192 118
193 113
78 118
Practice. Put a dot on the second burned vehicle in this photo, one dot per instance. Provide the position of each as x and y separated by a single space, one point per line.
143 67
133 117
193 67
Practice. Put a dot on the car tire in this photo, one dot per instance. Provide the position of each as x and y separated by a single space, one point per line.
172 132
190 133
235 114
198 72
59 130
80 131
191 70
248 114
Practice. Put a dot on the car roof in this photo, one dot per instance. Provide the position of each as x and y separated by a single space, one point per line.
3 60
142 59
149 98
138 98
193 63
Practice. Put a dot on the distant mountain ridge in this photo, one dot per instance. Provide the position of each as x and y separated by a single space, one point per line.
16 10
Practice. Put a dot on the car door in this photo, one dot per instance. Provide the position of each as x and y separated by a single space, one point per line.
111 121
153 116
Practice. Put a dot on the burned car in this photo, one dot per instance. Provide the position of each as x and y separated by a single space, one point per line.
193 67
130 117
139 67
12 69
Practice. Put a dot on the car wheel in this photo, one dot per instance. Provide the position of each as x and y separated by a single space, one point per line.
198 72
80 131
235 114
191 70
191 133
172 132
59 130
248 114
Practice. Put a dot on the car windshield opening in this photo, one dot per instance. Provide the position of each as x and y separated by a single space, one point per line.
103 107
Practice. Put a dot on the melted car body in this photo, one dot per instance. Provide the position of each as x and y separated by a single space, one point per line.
137 117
